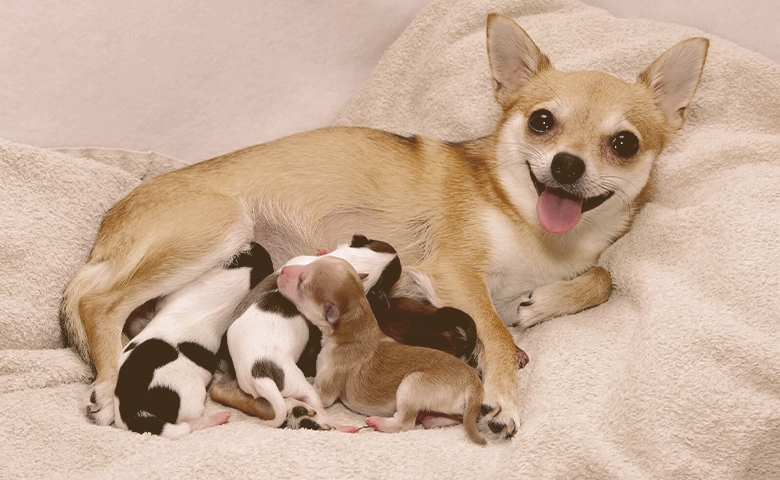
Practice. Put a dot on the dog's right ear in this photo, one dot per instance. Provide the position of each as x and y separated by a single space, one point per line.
514 57
674 77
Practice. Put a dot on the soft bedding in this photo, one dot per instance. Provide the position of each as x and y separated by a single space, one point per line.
676 376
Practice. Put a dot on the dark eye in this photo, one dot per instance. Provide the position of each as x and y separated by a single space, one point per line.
625 144
541 121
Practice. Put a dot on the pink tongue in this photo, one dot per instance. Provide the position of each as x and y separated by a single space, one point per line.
557 214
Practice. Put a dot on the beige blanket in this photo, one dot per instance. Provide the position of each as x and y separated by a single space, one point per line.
676 376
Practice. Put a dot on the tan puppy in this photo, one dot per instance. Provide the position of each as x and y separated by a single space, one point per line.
507 228
371 373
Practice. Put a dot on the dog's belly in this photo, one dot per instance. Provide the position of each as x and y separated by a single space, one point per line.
306 231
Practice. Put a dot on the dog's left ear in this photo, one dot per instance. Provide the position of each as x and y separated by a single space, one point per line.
514 57
331 312
674 76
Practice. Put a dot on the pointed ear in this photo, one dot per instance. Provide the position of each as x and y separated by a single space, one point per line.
674 77
331 312
514 57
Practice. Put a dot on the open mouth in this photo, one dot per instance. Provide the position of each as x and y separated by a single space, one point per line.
559 211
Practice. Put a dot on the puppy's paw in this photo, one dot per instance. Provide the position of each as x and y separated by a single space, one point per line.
497 422
100 408
302 416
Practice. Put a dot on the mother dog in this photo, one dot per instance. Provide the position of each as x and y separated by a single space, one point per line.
507 228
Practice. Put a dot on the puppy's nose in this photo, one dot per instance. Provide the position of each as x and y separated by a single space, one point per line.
567 168
284 270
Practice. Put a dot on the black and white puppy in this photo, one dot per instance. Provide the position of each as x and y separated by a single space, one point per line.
268 335
165 369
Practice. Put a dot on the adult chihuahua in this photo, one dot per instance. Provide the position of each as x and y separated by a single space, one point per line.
507 228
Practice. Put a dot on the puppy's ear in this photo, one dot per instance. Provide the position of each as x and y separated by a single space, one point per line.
358 241
514 57
331 312
674 76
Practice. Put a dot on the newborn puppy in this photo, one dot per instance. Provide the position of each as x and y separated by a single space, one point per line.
410 321
407 320
371 373
165 369
268 335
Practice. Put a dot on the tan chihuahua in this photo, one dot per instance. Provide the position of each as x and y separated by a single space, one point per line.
507 228
370 372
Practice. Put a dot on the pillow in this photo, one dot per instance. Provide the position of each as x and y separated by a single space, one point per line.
52 205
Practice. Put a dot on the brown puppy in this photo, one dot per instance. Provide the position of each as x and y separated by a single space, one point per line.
371 373
507 228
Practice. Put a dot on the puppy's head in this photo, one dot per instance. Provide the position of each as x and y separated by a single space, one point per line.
580 146
324 291
376 261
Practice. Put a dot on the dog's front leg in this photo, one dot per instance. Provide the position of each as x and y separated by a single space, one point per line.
498 358
565 297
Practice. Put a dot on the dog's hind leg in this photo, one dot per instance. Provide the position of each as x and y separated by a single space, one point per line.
145 257
227 392
412 396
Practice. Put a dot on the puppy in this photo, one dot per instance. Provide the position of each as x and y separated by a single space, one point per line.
268 334
372 373
165 369
418 323
507 228
409 321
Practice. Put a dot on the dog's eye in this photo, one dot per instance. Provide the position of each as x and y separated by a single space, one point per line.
625 144
541 121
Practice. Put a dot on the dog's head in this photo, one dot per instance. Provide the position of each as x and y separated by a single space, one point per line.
324 291
576 149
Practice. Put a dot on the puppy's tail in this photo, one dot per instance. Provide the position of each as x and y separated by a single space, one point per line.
474 397
267 388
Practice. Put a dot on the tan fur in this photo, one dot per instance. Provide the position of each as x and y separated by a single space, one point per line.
227 392
462 216
370 372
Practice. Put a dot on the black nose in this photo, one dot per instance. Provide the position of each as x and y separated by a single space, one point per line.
567 168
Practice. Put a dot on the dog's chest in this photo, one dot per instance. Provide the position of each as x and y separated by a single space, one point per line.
520 262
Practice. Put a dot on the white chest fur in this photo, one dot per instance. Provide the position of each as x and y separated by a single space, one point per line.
521 261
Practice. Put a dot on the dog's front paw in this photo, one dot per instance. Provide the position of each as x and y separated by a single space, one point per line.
100 408
499 417
531 309
497 422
